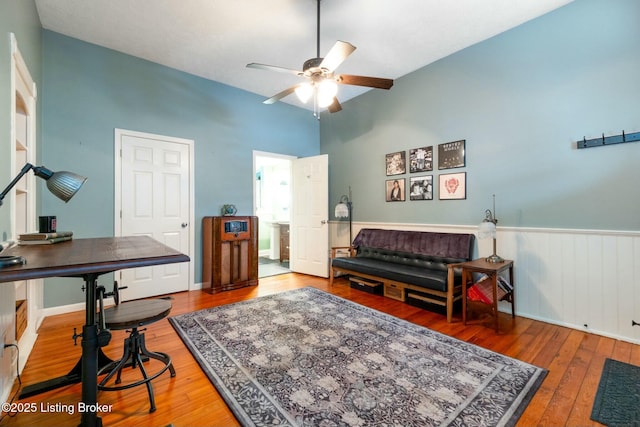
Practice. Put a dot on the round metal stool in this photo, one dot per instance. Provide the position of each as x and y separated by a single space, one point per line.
133 315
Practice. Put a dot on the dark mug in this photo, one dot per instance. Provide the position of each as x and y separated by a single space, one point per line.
47 224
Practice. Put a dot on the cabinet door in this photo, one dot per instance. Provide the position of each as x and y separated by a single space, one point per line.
284 242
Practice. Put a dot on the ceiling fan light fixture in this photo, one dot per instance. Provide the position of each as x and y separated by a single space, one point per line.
304 91
324 101
327 90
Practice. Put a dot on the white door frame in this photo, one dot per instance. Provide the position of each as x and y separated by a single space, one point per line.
273 156
118 187
266 154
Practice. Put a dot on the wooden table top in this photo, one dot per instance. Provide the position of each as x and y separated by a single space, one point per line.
79 257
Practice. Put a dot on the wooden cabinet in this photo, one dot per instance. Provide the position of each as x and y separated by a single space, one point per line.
284 242
229 252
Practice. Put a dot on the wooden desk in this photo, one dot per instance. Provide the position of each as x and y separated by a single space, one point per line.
492 270
88 259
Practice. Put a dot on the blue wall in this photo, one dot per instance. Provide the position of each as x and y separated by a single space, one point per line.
88 91
520 100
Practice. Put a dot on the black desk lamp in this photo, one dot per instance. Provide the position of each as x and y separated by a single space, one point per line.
62 184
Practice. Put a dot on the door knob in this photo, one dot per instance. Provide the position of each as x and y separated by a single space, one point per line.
184 225
324 221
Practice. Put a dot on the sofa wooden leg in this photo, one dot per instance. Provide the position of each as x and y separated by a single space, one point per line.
450 288
331 277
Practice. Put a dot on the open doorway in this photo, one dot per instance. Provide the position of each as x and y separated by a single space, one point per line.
272 206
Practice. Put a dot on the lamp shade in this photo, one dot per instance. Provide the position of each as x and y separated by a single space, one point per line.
61 184
304 92
327 90
65 184
342 210
487 230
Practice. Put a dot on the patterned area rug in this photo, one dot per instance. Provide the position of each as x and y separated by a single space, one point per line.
309 358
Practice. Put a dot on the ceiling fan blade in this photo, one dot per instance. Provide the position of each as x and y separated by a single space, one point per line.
336 56
274 68
335 106
375 82
277 97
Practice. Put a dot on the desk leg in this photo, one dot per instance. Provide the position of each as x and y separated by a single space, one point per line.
90 357
74 376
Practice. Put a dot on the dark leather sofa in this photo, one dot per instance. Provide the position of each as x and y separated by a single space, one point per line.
412 266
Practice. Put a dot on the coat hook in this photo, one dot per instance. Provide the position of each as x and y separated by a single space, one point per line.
603 139
623 137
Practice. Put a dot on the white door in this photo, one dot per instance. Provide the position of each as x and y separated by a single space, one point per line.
155 187
309 231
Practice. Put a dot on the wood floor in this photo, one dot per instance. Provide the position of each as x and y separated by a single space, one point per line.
574 360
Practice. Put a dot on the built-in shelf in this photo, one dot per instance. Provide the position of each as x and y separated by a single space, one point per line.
28 294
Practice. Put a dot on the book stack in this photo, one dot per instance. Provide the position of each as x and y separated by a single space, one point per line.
44 238
504 284
482 289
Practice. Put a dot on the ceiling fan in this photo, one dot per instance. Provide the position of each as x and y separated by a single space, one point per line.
321 81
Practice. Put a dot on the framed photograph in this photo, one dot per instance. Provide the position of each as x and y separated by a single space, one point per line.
421 187
396 163
395 190
451 155
453 186
421 159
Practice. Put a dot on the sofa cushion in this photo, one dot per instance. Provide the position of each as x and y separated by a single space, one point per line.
407 258
415 275
446 245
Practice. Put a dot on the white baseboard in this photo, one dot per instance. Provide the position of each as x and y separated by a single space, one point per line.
62 309
70 308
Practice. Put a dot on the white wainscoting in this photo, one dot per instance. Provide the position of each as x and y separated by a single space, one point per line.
582 279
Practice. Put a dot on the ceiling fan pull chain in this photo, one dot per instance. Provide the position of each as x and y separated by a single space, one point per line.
318 32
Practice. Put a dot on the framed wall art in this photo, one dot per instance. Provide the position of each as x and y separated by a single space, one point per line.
452 186
396 163
421 159
451 155
395 190
421 187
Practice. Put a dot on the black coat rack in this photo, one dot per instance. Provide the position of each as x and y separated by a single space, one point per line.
608 140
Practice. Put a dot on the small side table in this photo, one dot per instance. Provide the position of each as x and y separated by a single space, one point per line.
492 270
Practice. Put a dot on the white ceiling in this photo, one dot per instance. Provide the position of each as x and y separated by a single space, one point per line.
215 39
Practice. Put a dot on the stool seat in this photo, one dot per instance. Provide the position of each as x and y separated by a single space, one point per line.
133 315
136 313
